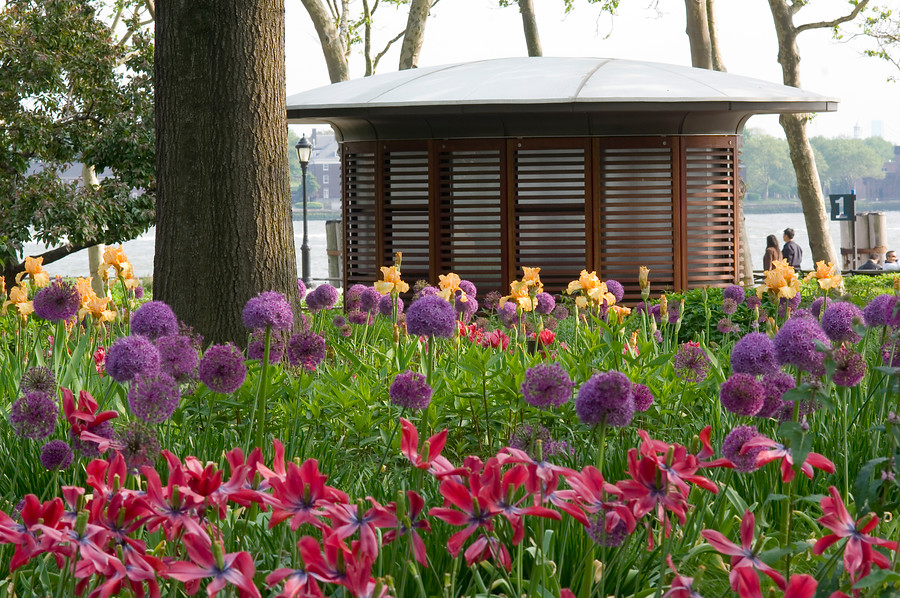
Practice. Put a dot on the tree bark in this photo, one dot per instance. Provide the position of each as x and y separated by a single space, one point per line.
95 252
697 30
529 25
333 47
415 34
794 125
224 229
715 54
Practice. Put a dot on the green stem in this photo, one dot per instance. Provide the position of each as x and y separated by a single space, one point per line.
260 423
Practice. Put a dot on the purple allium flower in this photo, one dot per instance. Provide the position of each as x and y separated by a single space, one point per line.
786 412
735 293
410 391
352 296
674 312
138 292
268 309
560 312
691 362
656 312
547 385
368 299
222 368
466 309
426 291
431 316
657 336
525 438
598 533
130 356
728 306
492 301
153 320
257 347
837 321
89 449
56 454
734 442
892 312
775 385
557 447
57 301
783 304
815 308
726 326
508 315
605 396
643 397
153 398
763 316
468 288
551 323
301 288
178 357
803 313
360 318
306 349
346 330
876 312
339 321
139 445
753 301
795 344
385 305
615 287
850 366
322 297
742 394
38 379
34 415
754 354
890 353
545 303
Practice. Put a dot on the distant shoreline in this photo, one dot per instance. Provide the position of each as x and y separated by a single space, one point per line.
793 206
318 215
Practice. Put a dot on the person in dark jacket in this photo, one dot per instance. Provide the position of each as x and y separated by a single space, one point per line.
791 251
772 252
872 264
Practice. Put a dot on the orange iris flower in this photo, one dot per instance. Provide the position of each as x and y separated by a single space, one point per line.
825 275
391 282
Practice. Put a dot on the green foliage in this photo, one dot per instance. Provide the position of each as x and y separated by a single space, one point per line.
844 161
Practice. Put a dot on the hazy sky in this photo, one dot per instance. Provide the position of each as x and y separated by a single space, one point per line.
465 30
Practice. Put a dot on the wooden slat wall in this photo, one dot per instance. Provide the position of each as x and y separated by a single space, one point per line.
406 208
360 227
709 184
550 187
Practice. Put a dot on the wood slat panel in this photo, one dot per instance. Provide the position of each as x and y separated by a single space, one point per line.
360 232
406 210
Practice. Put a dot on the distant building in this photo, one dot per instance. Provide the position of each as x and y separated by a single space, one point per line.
889 186
325 165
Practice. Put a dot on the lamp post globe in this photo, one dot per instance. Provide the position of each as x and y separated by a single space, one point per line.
304 150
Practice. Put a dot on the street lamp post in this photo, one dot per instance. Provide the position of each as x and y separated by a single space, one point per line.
304 149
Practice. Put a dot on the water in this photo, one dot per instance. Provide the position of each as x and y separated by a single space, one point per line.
140 250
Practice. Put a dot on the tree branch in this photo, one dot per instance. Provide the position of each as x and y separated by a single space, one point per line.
386 48
50 256
834 23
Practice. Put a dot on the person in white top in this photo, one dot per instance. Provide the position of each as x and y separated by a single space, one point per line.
890 261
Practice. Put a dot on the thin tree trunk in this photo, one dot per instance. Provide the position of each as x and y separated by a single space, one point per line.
529 25
95 252
697 30
715 54
333 47
415 34
224 230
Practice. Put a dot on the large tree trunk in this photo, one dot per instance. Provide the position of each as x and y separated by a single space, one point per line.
333 46
224 228
697 30
415 34
529 25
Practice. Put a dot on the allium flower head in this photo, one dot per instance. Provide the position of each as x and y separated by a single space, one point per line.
56 455
726 326
34 415
735 293
729 306
410 391
615 287
837 321
784 304
431 316
876 312
742 394
39 379
139 445
560 312
322 297
890 353
643 397
892 312
339 321
130 356
525 438
795 344
386 303
754 354
545 303
547 385
850 367
815 308
153 320
598 533
351 297
753 302
466 309
360 318
268 309
178 357
734 442
153 398
426 291
301 288
89 449
222 368
306 349
492 300
691 362
57 301
368 299
775 385
508 315
605 396
257 347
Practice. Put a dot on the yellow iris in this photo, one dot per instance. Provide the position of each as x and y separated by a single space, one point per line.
449 284
18 297
35 272
391 282
781 281
825 275
532 278
519 292
96 306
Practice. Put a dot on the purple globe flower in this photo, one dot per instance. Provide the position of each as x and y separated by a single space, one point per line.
410 391
850 367
876 312
360 318
615 287
34 415
492 301
525 438
426 291
837 321
691 362
795 344
468 288
268 309
153 320
301 288
138 445
643 397
803 313
369 299
508 315
754 354
775 385
177 357
38 379
339 321
605 396
130 356
547 385
815 307
306 349
57 301
466 309
734 442
735 293
890 353
602 535
753 301
726 326
352 296
892 312
322 297
153 398
138 292
784 304
385 305
257 347
742 394
222 368
728 306
90 449
56 455
431 316
560 312
545 303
